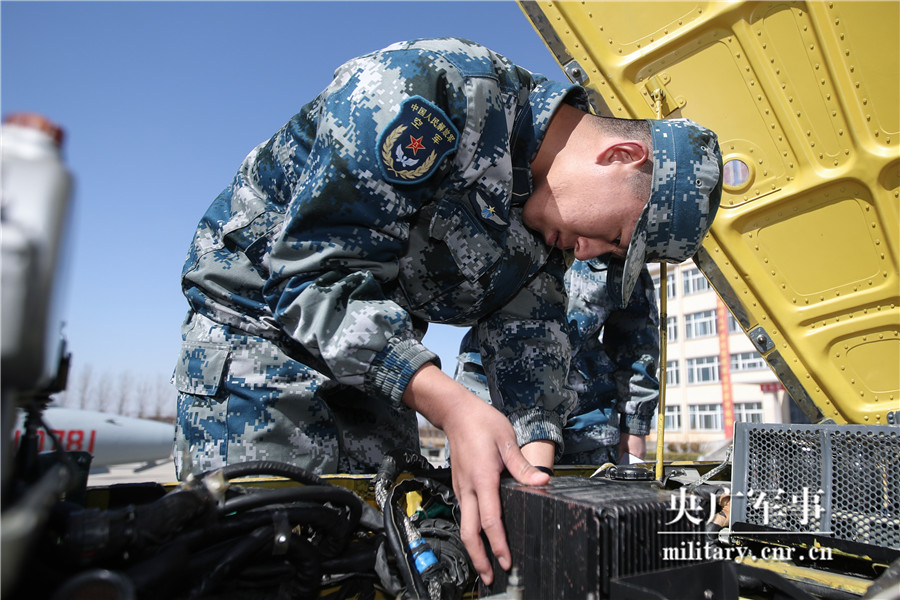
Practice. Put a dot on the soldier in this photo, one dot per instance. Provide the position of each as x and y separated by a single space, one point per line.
615 353
429 182
615 361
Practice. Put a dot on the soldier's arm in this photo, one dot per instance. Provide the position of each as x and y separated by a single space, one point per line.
482 444
335 262
525 351
470 373
631 338
635 445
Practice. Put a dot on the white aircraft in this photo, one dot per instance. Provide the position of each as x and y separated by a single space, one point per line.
110 439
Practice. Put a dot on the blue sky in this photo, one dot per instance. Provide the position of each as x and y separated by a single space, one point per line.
160 102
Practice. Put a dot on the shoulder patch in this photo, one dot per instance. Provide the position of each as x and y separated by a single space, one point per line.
415 142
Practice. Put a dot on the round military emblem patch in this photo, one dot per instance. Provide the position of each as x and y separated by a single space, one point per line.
415 142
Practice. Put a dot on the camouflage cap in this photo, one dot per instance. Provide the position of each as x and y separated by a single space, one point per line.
684 197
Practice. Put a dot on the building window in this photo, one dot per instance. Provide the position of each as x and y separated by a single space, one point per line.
672 373
673 418
672 329
703 370
733 325
747 361
706 417
671 284
694 282
700 324
748 412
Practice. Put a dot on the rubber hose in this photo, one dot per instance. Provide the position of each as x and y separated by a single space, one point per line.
270 467
392 535
239 553
360 558
335 494
170 560
305 559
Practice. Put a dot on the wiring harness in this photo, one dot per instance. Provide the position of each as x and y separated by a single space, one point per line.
215 537
426 547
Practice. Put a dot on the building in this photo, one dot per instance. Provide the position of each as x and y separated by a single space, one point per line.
433 443
714 374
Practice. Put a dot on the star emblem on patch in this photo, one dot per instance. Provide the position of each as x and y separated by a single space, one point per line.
415 141
415 144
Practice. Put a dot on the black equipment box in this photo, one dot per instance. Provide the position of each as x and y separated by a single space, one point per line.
570 538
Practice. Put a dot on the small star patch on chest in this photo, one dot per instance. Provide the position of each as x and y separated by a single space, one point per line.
416 141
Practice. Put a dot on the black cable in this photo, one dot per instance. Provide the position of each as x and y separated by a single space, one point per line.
235 525
396 514
333 494
307 578
396 544
92 536
241 551
340 531
384 479
228 530
196 540
411 551
175 565
269 467
190 531
359 558
163 570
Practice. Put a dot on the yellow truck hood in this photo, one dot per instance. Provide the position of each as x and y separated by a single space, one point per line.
805 98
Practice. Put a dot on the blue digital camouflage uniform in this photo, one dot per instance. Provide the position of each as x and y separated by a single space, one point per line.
615 359
391 200
615 354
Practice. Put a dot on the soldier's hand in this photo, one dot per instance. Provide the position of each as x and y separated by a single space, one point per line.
482 445
632 444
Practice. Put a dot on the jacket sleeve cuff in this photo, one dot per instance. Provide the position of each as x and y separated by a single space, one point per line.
635 424
394 367
535 424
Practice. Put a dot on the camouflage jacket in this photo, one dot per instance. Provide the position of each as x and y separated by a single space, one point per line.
391 200
615 353
615 358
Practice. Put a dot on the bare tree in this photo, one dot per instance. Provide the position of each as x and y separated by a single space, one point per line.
147 396
103 393
164 399
144 395
81 391
122 393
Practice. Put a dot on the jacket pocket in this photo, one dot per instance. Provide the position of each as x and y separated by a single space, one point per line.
200 368
473 248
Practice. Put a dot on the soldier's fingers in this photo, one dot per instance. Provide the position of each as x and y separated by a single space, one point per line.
470 533
522 470
492 523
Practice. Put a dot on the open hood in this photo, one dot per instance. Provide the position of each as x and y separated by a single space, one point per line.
804 97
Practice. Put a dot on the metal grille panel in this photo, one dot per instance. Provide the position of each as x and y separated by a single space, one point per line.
841 481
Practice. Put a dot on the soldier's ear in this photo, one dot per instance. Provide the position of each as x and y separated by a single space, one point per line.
633 152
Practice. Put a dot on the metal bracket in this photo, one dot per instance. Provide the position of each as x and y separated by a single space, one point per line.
761 340
575 72
662 102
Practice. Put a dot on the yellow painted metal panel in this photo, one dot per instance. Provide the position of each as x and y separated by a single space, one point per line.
805 97
825 579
